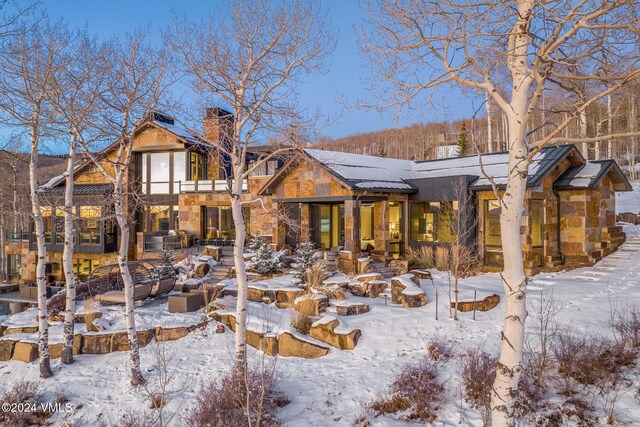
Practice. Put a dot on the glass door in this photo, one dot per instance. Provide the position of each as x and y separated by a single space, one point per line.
537 231
396 228
492 235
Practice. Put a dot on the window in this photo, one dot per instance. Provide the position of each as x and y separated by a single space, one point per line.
537 231
492 235
159 173
434 221
217 222
327 225
83 267
197 167
88 223
176 218
179 170
14 266
158 218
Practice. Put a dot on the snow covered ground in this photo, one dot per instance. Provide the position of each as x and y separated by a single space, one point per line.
333 389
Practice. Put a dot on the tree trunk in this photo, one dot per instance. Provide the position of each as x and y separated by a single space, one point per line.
632 121
238 261
41 281
509 366
489 130
67 257
4 273
583 133
123 263
609 127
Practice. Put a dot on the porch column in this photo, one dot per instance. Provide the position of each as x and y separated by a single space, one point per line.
278 228
305 220
351 215
381 227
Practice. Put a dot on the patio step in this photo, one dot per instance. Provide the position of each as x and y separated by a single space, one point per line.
378 267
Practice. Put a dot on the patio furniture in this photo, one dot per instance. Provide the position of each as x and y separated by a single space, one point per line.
184 303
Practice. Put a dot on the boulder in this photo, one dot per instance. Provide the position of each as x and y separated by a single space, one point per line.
351 309
171 334
325 330
96 344
357 289
405 291
311 305
421 274
25 351
373 288
483 305
255 294
201 270
6 349
399 266
369 276
21 330
291 346
213 251
55 350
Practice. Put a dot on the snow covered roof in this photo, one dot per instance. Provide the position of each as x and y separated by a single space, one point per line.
80 189
366 172
362 172
589 174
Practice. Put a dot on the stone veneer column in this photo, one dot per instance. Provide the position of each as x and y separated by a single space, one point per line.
381 227
351 212
305 219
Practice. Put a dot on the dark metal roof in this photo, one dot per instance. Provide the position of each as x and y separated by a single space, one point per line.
81 189
589 175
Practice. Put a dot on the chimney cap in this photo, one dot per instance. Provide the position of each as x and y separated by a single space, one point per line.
213 112
159 117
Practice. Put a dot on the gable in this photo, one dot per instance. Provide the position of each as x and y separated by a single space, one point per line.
308 179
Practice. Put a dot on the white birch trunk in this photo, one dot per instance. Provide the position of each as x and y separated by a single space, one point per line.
3 251
609 127
123 263
509 367
238 261
632 120
489 130
583 133
43 326
67 257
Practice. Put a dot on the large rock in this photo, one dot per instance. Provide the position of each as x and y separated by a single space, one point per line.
201 270
120 340
366 277
373 288
96 344
399 266
356 288
312 305
346 308
21 330
213 251
55 350
421 274
483 305
291 346
405 291
325 330
6 349
25 351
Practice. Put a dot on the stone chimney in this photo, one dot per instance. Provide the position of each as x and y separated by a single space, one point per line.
217 124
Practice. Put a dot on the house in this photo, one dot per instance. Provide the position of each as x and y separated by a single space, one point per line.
386 205
178 197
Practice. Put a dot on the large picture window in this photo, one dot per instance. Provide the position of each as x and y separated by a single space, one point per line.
435 222
492 236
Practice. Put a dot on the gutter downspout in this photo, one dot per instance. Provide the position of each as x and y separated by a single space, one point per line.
560 254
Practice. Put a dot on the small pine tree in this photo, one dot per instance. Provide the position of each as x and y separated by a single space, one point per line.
463 141
166 270
265 260
306 258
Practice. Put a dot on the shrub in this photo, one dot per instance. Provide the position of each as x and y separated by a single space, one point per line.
24 392
265 260
417 389
478 372
442 258
421 257
305 259
439 350
237 400
627 327
302 323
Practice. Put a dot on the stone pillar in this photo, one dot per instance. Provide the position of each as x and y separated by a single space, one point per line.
351 214
305 222
381 227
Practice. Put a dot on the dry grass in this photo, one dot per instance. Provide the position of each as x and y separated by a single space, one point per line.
302 323
442 258
478 372
316 275
421 257
23 392
439 350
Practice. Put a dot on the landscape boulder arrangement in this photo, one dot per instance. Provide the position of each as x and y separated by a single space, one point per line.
483 305
405 290
349 308
328 330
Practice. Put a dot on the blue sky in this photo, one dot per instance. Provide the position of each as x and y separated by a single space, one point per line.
347 68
